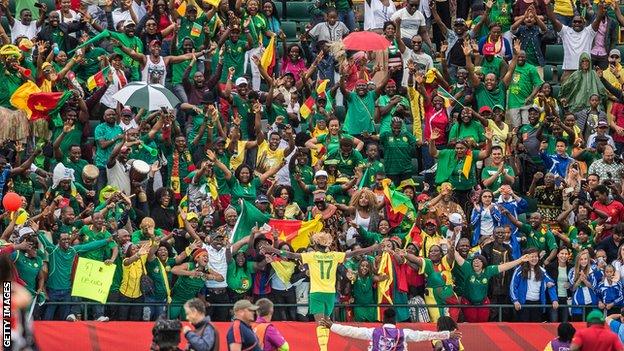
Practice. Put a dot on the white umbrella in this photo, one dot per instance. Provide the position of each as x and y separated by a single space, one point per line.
148 96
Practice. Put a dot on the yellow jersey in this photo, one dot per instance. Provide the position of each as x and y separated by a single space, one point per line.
322 267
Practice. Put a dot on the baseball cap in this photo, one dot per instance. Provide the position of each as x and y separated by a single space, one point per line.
485 109
489 49
500 107
320 173
455 218
460 20
241 81
262 199
25 231
155 42
595 316
535 107
129 22
244 305
615 52
603 123
127 112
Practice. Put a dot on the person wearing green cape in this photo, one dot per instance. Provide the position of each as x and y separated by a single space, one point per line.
458 165
582 84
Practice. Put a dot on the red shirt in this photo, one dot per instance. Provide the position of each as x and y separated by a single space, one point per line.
597 337
615 210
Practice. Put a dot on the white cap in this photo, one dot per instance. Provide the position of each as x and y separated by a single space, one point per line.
25 231
456 218
320 173
241 80
128 22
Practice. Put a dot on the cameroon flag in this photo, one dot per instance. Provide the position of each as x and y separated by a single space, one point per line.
384 287
98 79
297 233
306 108
19 98
196 30
267 61
44 104
397 204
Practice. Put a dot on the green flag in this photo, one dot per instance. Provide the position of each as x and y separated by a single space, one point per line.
248 218
104 34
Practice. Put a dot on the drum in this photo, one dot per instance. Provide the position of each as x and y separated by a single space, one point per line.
90 174
139 171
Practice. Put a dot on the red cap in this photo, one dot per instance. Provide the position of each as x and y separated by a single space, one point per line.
485 109
489 49
361 81
391 82
155 42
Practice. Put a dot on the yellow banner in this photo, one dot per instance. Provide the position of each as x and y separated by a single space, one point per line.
93 280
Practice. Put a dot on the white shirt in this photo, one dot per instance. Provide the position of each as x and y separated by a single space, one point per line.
107 98
323 31
423 62
379 14
18 30
410 24
362 333
533 288
574 44
218 263
154 67
118 176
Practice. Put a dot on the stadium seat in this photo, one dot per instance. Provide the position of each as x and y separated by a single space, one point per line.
290 29
555 90
549 74
554 54
340 112
280 9
298 11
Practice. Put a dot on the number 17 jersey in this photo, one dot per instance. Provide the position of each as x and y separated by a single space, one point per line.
322 267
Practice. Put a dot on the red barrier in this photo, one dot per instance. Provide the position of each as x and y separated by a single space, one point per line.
53 336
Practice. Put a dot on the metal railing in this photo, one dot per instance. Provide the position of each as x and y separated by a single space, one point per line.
498 307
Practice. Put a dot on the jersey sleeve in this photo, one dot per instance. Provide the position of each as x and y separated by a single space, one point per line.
306 257
339 257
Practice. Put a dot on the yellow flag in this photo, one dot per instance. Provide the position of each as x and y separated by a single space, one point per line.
214 3
268 56
467 164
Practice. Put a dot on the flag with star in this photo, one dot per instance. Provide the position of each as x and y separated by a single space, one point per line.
44 104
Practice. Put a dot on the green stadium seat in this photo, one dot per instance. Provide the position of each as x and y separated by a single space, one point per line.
290 29
298 11
555 90
549 75
621 48
5 23
280 9
559 72
554 54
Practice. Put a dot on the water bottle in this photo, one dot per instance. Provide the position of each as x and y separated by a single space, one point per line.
55 48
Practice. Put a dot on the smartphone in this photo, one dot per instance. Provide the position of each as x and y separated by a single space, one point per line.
38 5
583 183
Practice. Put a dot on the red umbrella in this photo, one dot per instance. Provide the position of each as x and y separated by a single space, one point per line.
365 41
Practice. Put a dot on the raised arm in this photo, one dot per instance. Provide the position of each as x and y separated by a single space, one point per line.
557 26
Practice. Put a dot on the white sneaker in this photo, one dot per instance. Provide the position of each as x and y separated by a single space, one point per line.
71 318
102 319
146 313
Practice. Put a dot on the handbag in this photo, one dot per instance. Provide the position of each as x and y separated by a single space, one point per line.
146 282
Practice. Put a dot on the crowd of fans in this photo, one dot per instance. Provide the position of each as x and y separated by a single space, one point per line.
514 192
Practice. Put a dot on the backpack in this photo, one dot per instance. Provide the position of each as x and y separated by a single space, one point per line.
200 332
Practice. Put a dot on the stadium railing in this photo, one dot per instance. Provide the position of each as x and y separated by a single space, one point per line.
498 307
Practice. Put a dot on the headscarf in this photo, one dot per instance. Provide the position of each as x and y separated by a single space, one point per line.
580 85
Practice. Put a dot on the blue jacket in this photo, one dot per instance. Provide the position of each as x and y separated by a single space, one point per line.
475 220
515 208
578 297
610 293
556 163
519 286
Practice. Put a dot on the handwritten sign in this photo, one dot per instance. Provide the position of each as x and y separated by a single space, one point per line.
93 279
